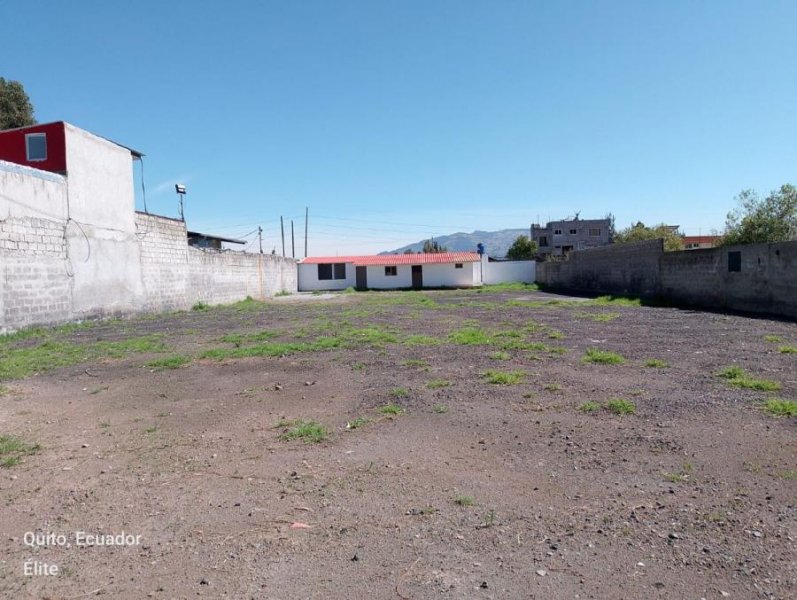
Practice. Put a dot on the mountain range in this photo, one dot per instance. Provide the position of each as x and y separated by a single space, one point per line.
496 243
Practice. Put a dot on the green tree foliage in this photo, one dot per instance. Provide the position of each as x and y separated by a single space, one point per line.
641 232
522 249
433 247
754 221
15 107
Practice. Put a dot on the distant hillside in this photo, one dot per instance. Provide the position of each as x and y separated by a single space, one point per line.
496 243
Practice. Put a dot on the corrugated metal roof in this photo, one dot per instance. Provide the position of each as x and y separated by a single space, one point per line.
396 259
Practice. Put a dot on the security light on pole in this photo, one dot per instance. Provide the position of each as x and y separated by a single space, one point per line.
180 189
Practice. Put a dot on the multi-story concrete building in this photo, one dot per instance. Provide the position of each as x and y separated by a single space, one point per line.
561 237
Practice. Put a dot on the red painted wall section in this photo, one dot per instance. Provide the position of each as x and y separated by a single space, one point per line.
12 147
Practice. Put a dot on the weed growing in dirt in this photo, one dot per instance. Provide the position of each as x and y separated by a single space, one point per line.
601 317
440 409
788 475
514 286
589 406
504 377
787 349
470 336
555 334
358 423
282 293
738 377
436 384
552 387
199 306
680 476
169 362
311 432
421 340
4 391
656 363
781 408
500 355
400 392
464 500
152 429
773 339
358 366
602 357
391 409
273 349
241 338
416 362
12 449
620 406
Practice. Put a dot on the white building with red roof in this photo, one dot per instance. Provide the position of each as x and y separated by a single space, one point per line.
391 271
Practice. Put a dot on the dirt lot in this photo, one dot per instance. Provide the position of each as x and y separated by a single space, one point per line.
411 475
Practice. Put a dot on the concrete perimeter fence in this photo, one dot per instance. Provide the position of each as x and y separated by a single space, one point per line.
58 266
757 278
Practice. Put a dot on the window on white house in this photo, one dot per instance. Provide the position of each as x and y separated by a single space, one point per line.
557 232
457 265
593 232
36 146
331 271
573 231
391 271
543 240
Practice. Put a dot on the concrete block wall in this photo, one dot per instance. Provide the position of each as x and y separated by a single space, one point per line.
177 276
619 269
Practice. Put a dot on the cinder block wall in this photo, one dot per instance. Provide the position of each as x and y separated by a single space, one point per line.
765 283
620 269
177 276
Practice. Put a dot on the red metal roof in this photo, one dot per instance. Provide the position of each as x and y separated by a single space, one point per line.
396 259
700 239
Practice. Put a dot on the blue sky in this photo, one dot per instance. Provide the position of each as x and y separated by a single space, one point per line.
394 121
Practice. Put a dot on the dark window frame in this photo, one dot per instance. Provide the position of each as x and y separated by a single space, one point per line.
391 271
735 261
459 266
35 136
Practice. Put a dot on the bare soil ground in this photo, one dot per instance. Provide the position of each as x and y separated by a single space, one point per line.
474 490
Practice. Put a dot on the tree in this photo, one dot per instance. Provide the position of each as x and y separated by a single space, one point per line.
15 107
640 232
754 221
522 249
433 247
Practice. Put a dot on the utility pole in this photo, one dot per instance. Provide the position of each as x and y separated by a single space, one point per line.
260 237
293 245
306 214
282 229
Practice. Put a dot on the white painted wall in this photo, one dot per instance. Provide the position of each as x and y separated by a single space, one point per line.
309 282
523 271
445 275
377 280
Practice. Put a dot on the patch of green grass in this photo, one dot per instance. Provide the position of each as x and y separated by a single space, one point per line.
367 336
105 424
552 387
511 286
358 366
200 306
602 317
435 384
589 406
773 339
500 355
464 500
18 363
391 409
311 432
738 377
152 429
400 392
602 357
789 475
620 406
780 407
656 363
616 301
122 348
504 377
4 391
440 408
675 477
241 338
787 349
358 423
274 349
555 334
470 336
416 362
169 362
12 449
421 340
22 334
282 293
